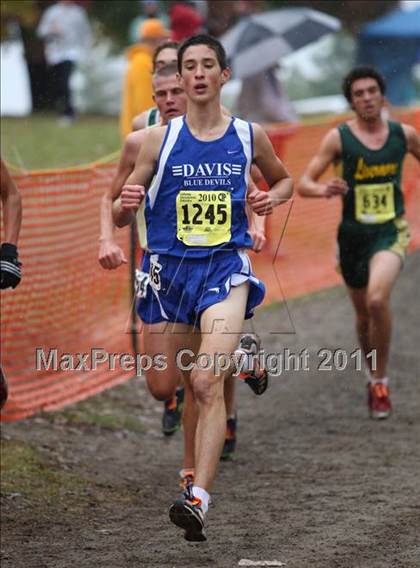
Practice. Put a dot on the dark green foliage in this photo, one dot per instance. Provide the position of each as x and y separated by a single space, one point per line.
114 17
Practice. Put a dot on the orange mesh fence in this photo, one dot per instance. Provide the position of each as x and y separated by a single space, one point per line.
67 303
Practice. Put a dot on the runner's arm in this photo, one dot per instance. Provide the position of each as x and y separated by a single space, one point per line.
139 121
413 140
12 215
132 147
256 225
125 167
12 206
256 222
279 181
133 191
329 151
111 255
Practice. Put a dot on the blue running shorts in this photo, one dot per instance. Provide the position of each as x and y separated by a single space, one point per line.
180 289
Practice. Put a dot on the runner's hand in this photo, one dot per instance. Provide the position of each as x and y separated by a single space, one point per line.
111 256
260 201
335 186
258 239
131 197
11 274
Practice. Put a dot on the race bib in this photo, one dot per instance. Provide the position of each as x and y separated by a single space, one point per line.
374 203
203 217
154 273
141 282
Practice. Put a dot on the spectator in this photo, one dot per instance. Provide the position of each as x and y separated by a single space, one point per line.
66 32
137 92
186 21
262 99
150 9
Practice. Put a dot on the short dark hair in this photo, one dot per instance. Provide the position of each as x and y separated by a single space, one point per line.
161 47
203 39
362 72
166 71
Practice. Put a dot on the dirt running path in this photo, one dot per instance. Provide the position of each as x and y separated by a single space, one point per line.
314 482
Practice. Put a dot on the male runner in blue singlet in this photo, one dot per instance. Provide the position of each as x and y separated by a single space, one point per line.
196 171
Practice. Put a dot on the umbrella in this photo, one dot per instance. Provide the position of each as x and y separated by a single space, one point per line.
258 41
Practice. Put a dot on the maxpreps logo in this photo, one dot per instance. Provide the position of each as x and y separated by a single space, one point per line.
215 174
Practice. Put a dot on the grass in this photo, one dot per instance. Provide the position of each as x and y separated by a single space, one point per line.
40 479
24 472
37 142
101 411
88 417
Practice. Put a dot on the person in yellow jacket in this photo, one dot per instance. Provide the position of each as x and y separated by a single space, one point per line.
137 92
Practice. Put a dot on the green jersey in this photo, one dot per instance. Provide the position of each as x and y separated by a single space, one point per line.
373 176
153 117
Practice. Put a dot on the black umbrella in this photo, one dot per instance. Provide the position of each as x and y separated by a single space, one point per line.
257 42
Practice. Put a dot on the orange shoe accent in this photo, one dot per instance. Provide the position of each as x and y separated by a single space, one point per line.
195 501
378 400
380 390
171 404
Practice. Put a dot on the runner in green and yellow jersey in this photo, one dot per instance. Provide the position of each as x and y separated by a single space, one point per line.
368 152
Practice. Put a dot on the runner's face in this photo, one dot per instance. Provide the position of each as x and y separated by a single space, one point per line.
367 99
165 57
170 97
201 75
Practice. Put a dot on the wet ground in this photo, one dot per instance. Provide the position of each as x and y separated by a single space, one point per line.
314 482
